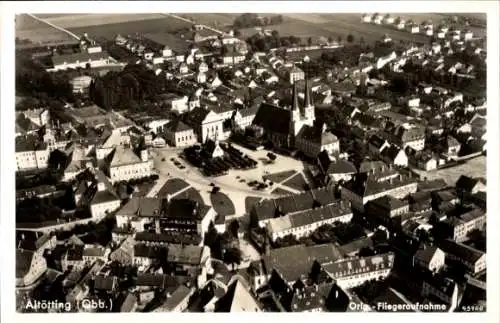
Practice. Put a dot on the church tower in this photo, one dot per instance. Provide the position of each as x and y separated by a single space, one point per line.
309 114
296 115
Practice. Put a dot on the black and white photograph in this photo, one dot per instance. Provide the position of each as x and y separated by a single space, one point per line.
251 160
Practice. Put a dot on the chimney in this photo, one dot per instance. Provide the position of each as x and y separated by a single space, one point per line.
144 155
101 187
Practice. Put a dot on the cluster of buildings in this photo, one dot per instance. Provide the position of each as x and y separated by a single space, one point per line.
427 28
216 90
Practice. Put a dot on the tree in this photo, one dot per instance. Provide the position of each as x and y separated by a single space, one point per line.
350 38
309 41
234 227
339 39
237 33
330 39
233 256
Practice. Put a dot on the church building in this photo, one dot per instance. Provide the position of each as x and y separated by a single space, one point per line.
296 128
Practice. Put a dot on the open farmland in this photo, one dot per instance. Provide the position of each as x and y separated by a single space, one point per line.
38 32
156 25
335 25
220 19
84 20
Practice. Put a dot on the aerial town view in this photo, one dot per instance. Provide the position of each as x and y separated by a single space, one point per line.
242 162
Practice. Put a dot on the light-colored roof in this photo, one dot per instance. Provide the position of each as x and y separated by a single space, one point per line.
124 156
280 224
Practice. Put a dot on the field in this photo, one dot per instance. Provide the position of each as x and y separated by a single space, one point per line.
191 194
38 32
335 25
172 186
297 182
279 177
222 204
211 19
250 201
158 24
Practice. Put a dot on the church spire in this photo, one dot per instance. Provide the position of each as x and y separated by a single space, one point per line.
295 94
307 95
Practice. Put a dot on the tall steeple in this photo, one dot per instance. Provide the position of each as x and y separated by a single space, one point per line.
307 95
295 94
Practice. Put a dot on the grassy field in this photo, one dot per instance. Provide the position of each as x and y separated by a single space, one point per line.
110 30
38 32
191 194
297 182
250 201
172 186
222 204
279 177
219 19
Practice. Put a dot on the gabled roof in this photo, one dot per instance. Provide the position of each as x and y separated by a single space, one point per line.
467 183
388 202
177 126
124 156
462 251
391 152
23 262
273 119
426 254
237 299
317 135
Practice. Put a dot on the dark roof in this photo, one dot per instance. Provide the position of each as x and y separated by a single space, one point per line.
75 253
325 253
273 118
185 208
341 167
23 262
376 141
425 254
29 143
142 250
196 116
158 280
307 299
191 255
177 126
391 297
466 183
388 202
106 283
251 111
462 251
317 135
390 153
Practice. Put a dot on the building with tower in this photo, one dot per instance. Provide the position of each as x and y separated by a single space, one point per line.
296 127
